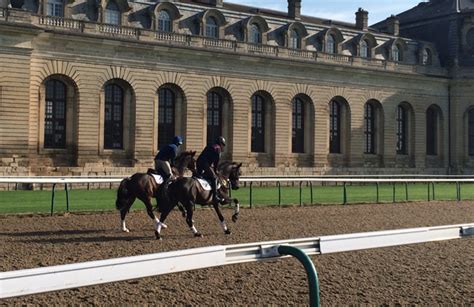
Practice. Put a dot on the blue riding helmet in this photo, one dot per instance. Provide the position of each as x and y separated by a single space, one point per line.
177 140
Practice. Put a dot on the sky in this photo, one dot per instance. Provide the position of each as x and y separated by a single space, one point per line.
341 10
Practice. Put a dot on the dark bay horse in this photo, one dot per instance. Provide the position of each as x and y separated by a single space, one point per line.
188 192
144 187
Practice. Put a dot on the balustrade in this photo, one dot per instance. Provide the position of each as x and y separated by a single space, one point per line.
118 30
181 39
263 49
59 22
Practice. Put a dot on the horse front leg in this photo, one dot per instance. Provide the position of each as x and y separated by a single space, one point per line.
149 210
228 200
221 219
189 219
164 214
123 214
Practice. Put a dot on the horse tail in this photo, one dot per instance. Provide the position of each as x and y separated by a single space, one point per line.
123 194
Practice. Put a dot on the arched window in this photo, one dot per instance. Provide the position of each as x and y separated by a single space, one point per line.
55 115
112 14
369 128
364 49
298 136
331 44
397 55
471 132
166 116
212 29
402 130
255 34
295 41
432 131
113 126
335 127
55 8
214 116
164 21
426 57
258 124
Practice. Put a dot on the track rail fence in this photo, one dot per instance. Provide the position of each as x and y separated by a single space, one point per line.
344 181
39 280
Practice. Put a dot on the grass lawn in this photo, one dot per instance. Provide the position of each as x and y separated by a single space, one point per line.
13 202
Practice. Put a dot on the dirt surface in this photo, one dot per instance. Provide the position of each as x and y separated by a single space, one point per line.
427 274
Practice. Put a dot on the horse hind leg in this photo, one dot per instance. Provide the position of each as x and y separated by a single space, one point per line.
189 220
149 210
221 219
123 214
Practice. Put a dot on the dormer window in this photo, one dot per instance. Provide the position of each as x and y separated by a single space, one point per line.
396 54
55 8
212 28
331 44
426 57
255 34
295 40
112 14
164 22
364 49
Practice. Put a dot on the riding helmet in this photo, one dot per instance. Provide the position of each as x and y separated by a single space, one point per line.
178 140
220 140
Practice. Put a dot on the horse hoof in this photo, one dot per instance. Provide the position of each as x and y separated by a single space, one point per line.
125 230
164 226
157 235
227 232
198 235
235 217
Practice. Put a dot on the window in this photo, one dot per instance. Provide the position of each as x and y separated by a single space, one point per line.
55 115
426 57
113 126
298 126
335 127
214 116
431 132
470 38
212 29
471 132
397 55
295 41
55 8
166 116
164 21
364 49
331 44
369 128
112 14
402 123
258 124
255 35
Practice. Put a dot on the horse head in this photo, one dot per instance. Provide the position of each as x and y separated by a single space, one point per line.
186 160
232 172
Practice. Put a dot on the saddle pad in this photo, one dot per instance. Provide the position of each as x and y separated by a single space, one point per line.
205 185
158 178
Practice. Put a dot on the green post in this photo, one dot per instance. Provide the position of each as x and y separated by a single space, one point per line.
279 193
433 186
457 191
52 199
393 193
67 197
251 183
345 194
428 191
301 194
377 188
311 191
311 272
460 195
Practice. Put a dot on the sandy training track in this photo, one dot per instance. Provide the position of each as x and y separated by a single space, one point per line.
431 273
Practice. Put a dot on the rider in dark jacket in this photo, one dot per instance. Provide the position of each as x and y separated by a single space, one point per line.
165 158
207 163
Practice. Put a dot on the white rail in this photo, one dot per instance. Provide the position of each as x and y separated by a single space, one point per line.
38 280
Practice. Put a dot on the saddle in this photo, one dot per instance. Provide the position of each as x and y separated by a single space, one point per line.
158 178
205 184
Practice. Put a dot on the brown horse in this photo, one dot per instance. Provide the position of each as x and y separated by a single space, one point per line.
144 187
188 192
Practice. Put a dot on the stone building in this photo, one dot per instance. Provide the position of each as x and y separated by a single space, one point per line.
91 87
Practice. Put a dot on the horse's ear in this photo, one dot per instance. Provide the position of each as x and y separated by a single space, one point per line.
193 153
240 165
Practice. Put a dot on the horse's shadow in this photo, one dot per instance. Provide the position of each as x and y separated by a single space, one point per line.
51 233
101 239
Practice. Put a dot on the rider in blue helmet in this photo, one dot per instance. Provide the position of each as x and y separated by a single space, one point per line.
165 157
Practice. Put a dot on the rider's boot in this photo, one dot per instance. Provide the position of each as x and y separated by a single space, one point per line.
215 195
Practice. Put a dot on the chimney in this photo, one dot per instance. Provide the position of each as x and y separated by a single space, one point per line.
393 25
294 9
362 19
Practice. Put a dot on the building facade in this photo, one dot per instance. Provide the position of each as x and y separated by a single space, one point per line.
93 87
